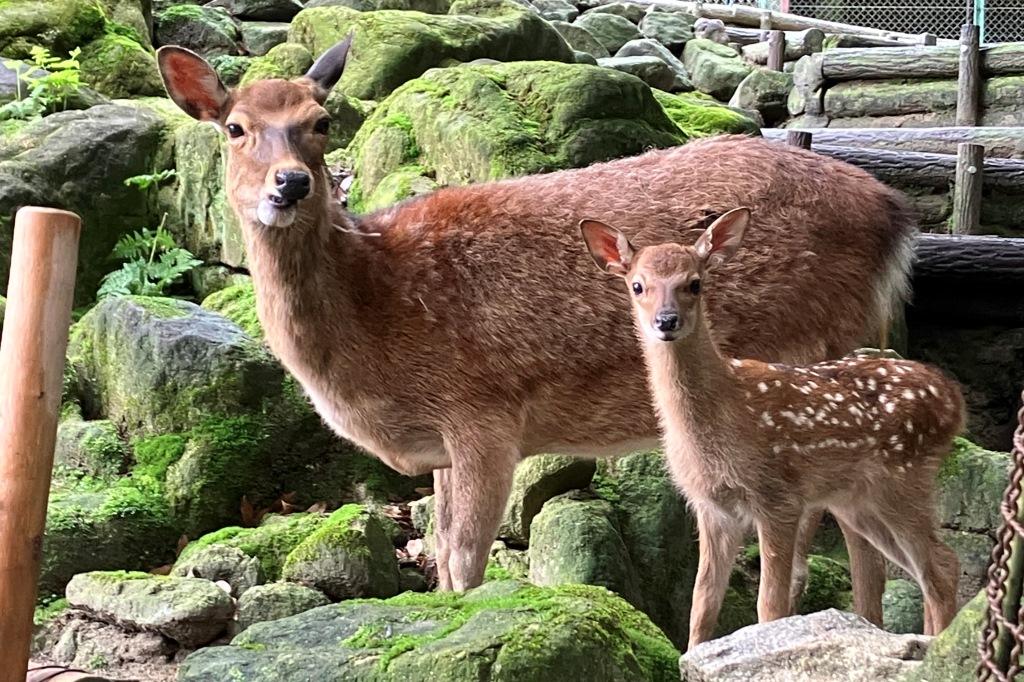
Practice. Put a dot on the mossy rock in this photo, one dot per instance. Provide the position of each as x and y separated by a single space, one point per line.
427 6
91 448
715 69
231 68
700 115
501 631
611 30
478 123
260 37
765 92
265 603
131 18
270 543
902 607
287 60
64 158
57 25
222 562
393 47
828 586
210 31
953 655
260 10
581 40
207 280
349 555
537 480
671 29
972 481
238 304
120 67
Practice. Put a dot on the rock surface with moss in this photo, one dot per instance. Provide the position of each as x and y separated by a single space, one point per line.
349 555
265 603
953 655
699 115
503 630
118 66
188 610
472 124
406 44
537 480
715 69
57 25
210 31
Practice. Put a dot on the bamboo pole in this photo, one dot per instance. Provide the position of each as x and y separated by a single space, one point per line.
35 337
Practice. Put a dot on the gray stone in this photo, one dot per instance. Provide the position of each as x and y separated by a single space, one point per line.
502 630
349 555
190 611
585 58
556 10
974 550
93 448
652 48
511 563
765 92
953 655
260 10
626 10
265 603
714 69
971 486
828 645
611 30
671 29
580 39
222 562
86 643
537 480
260 36
411 580
650 70
210 31
903 607
710 29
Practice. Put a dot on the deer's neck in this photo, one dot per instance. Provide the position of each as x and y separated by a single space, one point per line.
697 396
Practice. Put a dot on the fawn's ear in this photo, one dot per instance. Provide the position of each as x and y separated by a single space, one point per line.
192 83
327 69
608 247
722 239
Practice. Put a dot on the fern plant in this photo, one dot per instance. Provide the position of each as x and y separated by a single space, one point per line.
45 91
153 261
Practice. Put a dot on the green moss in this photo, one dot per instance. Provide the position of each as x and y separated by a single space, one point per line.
119 66
50 610
952 466
154 455
338 530
58 25
495 572
287 60
271 542
828 586
110 577
165 308
700 115
238 304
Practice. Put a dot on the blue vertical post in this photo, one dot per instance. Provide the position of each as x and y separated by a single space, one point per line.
979 18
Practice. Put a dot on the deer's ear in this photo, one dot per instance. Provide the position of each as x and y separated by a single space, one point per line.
327 69
722 239
608 247
192 83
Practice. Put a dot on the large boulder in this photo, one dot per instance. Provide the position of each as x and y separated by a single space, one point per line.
765 92
611 30
671 29
222 562
392 47
265 603
260 36
715 69
511 119
647 47
188 610
503 630
78 160
210 31
260 10
57 25
699 115
972 481
902 607
953 656
349 555
118 66
651 70
537 480
91 448
132 18
626 10
581 40
90 644
829 645
556 10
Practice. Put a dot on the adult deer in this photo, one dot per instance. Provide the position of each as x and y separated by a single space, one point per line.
461 331
772 444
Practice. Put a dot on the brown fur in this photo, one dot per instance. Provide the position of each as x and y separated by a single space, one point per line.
472 332
773 444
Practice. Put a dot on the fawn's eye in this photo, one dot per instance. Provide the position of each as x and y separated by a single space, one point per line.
638 288
322 126
235 130
695 287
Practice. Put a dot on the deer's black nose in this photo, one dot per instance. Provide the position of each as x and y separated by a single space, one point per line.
292 185
666 321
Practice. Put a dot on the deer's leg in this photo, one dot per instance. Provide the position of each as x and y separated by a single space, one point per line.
805 536
479 484
777 537
719 537
867 573
442 527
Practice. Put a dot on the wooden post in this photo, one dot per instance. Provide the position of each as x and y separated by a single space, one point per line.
969 80
776 50
970 159
766 25
929 39
798 138
35 337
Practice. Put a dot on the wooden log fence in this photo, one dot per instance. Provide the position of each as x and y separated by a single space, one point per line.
999 142
776 50
967 188
968 108
798 44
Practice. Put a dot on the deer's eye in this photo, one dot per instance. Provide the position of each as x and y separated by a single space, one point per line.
322 126
695 287
638 288
235 130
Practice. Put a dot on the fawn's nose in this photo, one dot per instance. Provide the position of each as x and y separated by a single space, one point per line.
292 185
667 321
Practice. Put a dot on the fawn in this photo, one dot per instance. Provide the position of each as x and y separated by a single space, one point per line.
437 333
770 443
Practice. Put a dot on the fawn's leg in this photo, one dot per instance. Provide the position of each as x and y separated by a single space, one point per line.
867 573
480 480
719 537
442 527
805 536
777 537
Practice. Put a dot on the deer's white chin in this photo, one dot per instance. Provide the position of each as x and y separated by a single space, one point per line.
274 215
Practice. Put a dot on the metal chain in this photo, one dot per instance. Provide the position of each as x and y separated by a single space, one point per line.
1001 636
